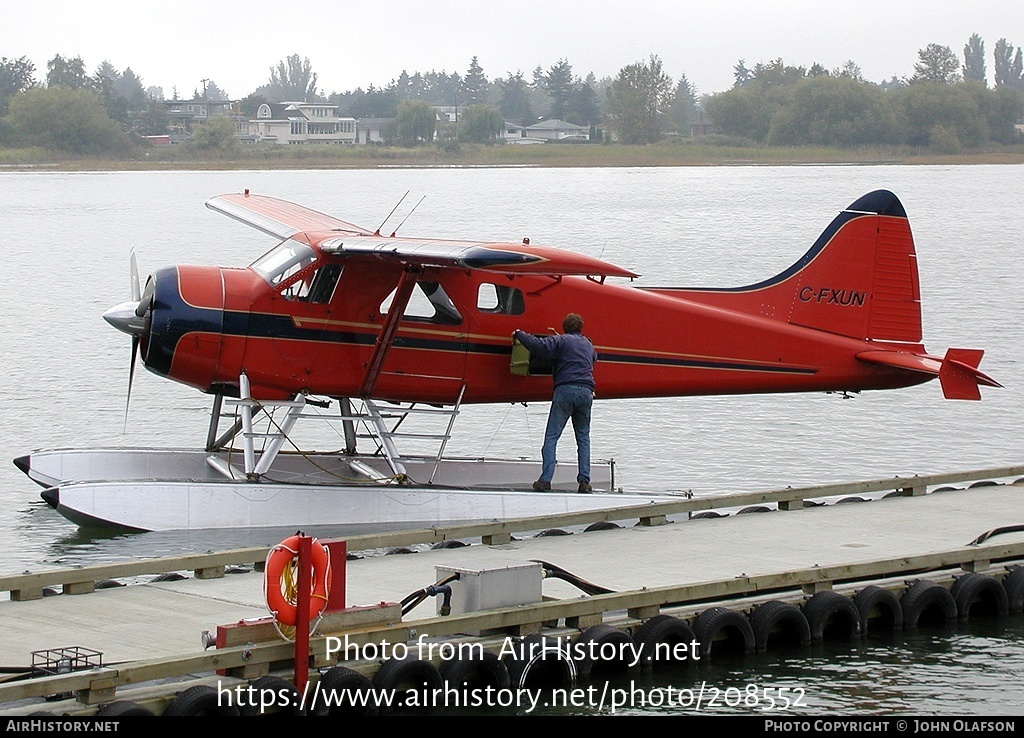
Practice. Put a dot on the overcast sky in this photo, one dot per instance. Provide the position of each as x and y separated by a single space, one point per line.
355 44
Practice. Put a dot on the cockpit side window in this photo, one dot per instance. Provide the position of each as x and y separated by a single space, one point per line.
428 303
321 289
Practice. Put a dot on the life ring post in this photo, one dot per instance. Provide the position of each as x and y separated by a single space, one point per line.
338 549
303 603
297 587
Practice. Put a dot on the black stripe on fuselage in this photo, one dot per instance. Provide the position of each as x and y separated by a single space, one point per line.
271 326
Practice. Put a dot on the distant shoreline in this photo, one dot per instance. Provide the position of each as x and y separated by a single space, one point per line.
665 154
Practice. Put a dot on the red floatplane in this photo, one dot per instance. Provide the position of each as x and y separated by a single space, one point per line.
344 313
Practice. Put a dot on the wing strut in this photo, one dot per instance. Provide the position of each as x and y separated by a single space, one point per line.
387 332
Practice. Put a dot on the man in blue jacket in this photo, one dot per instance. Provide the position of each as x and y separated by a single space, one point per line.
573 357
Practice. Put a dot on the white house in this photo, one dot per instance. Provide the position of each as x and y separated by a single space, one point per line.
558 130
371 130
513 133
301 123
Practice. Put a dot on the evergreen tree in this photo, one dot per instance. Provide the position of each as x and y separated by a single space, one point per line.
210 91
514 101
974 60
1008 66
107 71
582 107
129 86
558 83
474 84
740 74
684 104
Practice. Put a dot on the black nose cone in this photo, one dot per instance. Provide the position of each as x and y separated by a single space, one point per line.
51 496
22 462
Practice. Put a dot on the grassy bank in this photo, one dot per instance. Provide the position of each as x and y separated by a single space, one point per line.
668 153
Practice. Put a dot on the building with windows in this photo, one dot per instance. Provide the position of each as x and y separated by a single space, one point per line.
301 123
183 115
373 130
557 130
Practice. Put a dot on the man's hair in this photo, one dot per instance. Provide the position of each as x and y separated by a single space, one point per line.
572 323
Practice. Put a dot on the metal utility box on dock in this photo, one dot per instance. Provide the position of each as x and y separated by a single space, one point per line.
493 585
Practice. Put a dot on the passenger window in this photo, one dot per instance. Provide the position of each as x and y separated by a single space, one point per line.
429 303
496 298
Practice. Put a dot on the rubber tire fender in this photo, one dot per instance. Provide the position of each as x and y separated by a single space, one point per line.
339 680
716 620
873 599
824 607
123 708
664 629
1013 583
407 674
599 635
923 595
973 588
478 671
199 700
538 660
774 614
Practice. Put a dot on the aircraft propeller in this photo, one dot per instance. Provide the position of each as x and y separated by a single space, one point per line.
130 317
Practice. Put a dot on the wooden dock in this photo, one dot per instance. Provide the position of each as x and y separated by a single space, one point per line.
662 559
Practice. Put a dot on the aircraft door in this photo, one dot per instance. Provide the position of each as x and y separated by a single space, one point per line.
427 355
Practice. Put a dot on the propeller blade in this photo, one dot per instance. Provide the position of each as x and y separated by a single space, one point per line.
131 378
134 265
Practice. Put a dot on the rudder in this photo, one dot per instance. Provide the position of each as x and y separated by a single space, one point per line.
859 279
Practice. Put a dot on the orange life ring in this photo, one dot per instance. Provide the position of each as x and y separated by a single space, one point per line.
280 580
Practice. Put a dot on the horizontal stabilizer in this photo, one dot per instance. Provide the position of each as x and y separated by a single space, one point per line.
957 372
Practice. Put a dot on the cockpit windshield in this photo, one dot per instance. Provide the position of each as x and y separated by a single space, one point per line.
283 261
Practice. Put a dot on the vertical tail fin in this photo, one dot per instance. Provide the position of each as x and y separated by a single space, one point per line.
859 279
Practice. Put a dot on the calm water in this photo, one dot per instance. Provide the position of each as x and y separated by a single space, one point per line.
67 238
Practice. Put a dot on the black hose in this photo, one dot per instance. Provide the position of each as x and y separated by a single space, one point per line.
995 532
413 600
550 570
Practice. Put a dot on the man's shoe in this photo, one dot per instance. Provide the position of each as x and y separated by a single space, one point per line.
585 487
541 486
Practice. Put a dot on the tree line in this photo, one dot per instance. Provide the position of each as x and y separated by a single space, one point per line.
945 104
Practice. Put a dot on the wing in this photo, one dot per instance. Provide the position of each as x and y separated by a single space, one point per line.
507 258
284 219
278 218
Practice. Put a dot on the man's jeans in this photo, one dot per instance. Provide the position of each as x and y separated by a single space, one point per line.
569 401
